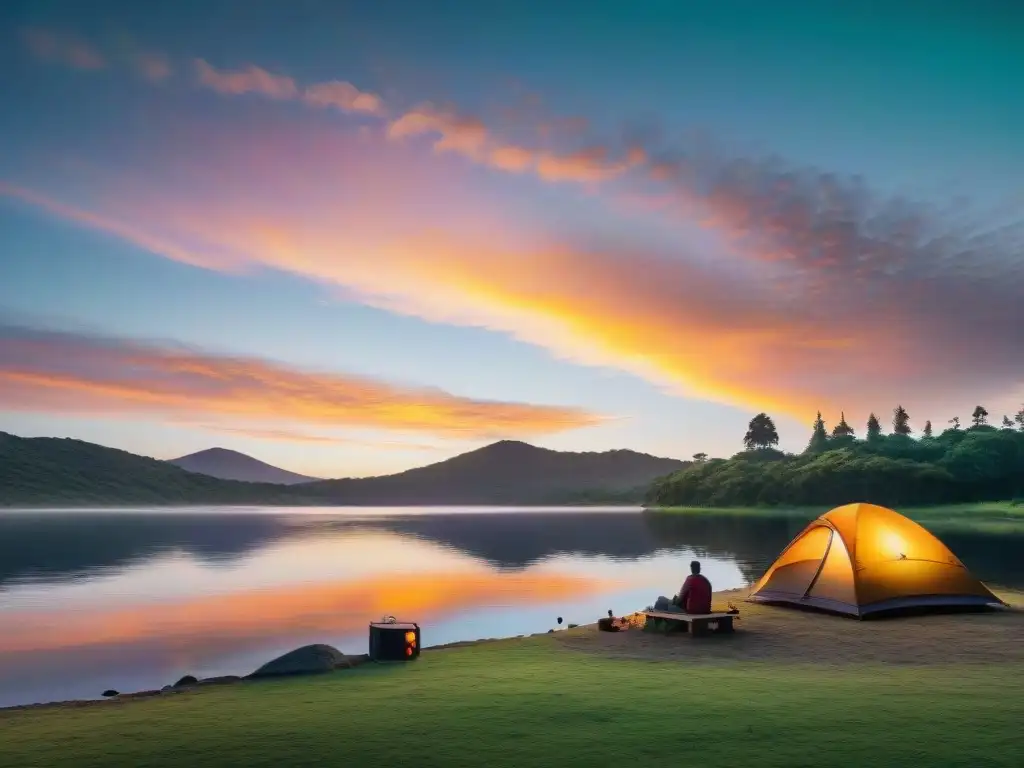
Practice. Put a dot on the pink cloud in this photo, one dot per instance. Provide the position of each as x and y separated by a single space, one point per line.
250 79
79 373
63 48
343 96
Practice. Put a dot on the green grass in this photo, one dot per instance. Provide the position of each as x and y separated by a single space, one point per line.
992 516
530 702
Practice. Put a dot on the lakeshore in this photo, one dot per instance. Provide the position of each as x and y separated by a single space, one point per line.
580 697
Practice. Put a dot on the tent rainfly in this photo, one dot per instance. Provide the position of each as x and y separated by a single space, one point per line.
860 559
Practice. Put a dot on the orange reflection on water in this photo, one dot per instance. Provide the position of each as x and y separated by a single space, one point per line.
334 608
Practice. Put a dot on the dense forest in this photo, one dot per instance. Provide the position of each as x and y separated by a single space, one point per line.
978 463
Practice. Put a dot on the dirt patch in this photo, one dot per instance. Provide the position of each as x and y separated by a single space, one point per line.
778 634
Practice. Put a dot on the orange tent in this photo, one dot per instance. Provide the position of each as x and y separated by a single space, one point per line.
860 559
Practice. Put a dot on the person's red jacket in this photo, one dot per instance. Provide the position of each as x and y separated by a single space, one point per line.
695 596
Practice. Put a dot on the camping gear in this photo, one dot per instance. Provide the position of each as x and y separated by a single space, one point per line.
860 559
698 625
394 640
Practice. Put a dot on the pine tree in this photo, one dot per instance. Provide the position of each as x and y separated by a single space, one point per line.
819 437
1007 424
700 458
955 421
927 431
1019 418
900 421
842 429
980 416
874 428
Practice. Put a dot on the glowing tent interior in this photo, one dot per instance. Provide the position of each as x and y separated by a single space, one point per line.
860 559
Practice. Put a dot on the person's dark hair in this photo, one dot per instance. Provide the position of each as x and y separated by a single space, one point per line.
695 566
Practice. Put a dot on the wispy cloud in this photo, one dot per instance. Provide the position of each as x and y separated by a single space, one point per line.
62 47
250 79
343 96
276 435
472 138
820 293
78 373
293 436
337 94
452 131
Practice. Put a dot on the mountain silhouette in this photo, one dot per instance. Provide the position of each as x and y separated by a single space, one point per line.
232 465
50 471
509 472
66 473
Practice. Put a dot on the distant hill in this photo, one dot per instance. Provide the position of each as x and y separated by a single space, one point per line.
48 471
232 465
510 472
64 472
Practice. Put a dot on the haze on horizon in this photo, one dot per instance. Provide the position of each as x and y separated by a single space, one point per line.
352 238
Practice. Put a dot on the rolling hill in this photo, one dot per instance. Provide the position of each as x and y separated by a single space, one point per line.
232 465
64 472
49 471
509 472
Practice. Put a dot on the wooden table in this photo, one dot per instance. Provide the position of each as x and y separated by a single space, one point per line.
697 624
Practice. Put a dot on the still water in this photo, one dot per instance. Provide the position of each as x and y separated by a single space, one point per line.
134 599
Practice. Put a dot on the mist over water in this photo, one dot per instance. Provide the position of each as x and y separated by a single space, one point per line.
134 599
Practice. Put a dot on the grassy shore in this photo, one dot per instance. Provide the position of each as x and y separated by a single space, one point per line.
574 698
991 516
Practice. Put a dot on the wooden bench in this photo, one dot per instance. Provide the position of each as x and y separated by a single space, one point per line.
698 624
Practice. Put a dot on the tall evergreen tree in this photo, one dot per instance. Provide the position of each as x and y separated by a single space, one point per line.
900 421
842 429
927 431
874 428
955 421
700 458
1019 418
761 433
819 437
1007 424
980 416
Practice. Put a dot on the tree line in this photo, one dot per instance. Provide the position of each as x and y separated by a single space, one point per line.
978 463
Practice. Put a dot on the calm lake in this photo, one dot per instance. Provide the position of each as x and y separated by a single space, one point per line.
134 599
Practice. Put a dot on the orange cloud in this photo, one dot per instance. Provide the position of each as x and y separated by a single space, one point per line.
251 79
343 96
52 371
286 435
260 617
586 165
63 48
470 136
812 292
512 159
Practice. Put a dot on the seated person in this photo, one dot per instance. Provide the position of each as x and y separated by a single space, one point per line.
694 597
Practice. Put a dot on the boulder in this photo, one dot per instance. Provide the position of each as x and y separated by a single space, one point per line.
110 692
309 659
186 680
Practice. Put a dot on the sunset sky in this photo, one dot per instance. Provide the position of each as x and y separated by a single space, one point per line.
352 238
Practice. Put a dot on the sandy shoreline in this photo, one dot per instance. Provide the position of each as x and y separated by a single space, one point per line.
774 634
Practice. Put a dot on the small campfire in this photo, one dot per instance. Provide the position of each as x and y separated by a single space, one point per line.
613 623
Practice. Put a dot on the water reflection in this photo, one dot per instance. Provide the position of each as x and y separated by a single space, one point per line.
133 600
